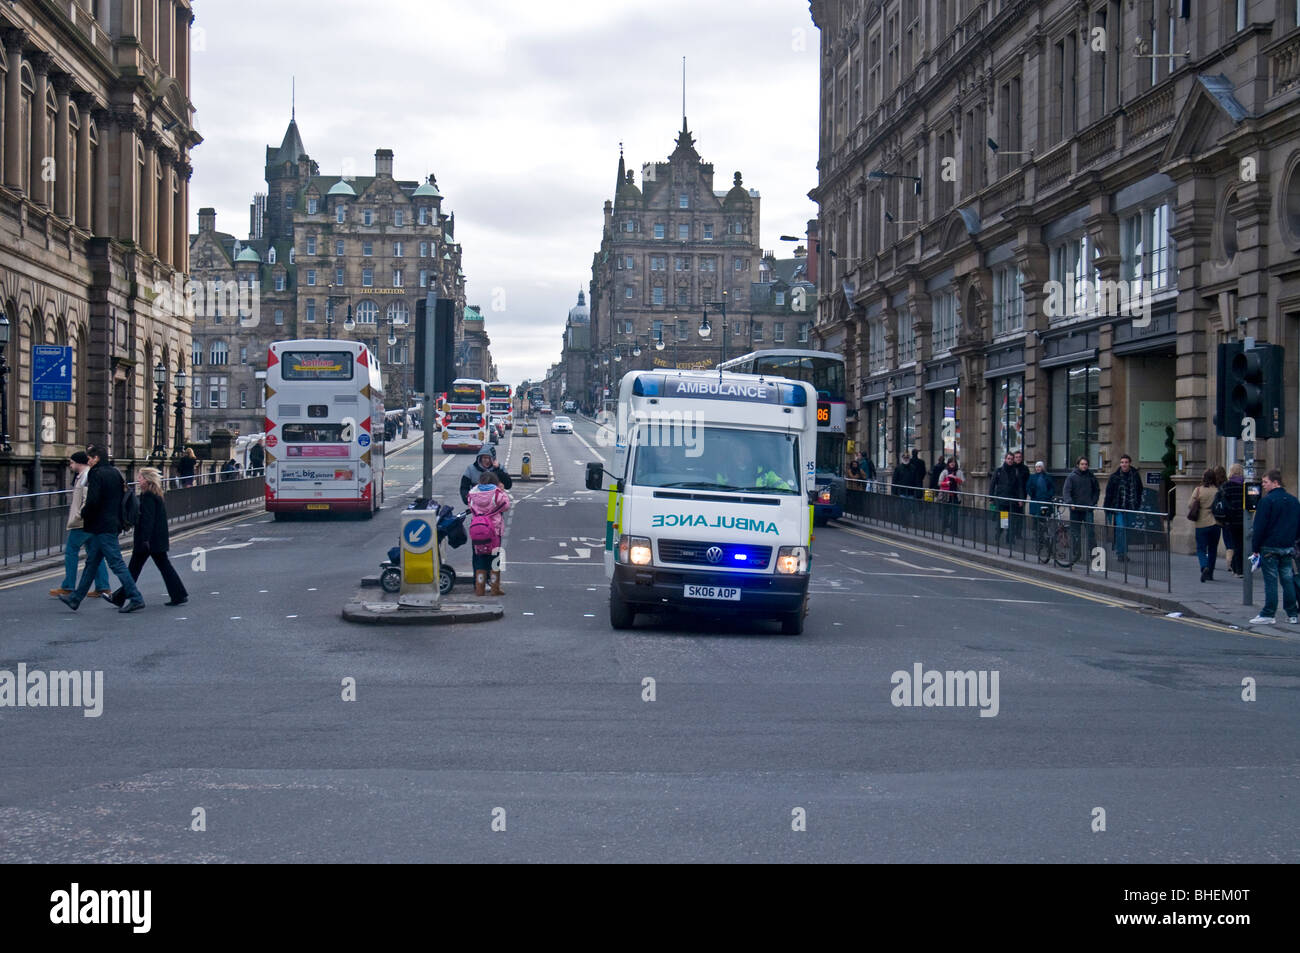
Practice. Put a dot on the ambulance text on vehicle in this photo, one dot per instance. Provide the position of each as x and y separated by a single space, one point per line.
465 416
324 427
711 506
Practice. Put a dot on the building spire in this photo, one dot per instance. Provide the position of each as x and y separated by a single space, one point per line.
622 171
293 98
683 94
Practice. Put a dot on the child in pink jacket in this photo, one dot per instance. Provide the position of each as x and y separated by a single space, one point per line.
488 503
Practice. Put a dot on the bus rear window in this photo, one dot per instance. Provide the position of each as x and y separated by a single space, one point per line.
465 417
316 366
312 433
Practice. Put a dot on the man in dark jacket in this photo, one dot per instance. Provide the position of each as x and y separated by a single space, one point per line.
1124 495
1081 491
484 462
918 475
101 518
1007 489
256 458
1272 539
902 479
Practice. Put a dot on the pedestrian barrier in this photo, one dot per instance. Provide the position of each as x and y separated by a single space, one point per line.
1118 545
34 526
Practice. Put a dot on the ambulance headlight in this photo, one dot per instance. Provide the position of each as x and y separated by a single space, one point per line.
634 550
792 559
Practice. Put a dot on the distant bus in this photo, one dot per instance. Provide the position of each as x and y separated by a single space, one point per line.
324 428
501 403
464 415
825 371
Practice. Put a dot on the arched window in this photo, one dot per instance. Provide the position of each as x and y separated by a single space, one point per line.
219 353
398 312
367 312
292 256
270 255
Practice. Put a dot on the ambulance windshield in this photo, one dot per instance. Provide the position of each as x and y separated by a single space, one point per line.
685 455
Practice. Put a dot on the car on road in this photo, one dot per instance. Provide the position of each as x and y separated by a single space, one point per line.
561 425
544 409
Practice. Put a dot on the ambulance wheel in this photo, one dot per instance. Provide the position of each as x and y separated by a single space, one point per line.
390 580
621 615
792 622
446 579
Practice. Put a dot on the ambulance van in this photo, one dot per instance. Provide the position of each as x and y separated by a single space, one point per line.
710 508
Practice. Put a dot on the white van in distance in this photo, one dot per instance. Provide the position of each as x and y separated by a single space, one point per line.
710 510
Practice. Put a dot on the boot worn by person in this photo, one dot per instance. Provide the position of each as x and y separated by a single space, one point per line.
480 582
496 585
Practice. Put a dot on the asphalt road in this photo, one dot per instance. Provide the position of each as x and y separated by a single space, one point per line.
233 704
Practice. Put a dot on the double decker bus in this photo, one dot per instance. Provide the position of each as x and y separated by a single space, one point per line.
501 404
825 371
324 428
464 415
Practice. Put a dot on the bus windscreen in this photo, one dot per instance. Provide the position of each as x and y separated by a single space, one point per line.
316 366
465 394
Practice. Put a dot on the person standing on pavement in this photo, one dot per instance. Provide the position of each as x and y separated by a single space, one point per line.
77 535
256 458
1272 539
1123 495
950 485
488 502
1007 490
485 461
185 466
1234 525
101 515
1200 512
917 481
1040 488
903 476
1081 493
151 540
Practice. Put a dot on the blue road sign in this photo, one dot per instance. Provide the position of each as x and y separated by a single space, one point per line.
52 373
418 533
364 439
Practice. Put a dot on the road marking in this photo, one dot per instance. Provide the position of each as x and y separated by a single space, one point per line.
590 448
914 566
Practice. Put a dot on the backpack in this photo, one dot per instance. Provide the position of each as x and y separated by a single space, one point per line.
128 513
1219 508
481 528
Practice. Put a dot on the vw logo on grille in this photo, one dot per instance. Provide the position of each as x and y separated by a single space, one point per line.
713 554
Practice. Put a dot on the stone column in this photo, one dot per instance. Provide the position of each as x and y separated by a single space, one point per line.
85 168
149 195
104 123
165 206
14 41
39 117
181 217
128 196
62 133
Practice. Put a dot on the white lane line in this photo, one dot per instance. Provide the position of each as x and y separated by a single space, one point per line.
419 487
589 447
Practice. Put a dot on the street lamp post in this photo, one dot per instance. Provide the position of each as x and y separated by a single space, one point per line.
160 412
179 442
706 329
329 314
4 386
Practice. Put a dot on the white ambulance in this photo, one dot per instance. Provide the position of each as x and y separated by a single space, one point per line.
710 510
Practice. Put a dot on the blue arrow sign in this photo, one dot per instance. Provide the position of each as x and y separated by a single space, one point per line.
418 533
52 373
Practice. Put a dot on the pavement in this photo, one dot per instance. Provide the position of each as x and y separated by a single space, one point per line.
548 736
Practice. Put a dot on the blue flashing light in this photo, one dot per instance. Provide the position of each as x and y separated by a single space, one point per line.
740 557
647 386
792 395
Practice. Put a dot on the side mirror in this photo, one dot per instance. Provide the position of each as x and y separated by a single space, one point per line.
595 475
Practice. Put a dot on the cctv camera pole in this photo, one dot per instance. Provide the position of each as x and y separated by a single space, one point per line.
430 349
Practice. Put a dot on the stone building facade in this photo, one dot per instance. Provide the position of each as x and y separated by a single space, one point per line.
1066 291
330 246
96 128
669 250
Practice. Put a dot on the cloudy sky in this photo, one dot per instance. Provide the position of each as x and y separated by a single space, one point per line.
518 107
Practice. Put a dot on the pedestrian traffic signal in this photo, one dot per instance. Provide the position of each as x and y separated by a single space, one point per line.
438 330
1250 385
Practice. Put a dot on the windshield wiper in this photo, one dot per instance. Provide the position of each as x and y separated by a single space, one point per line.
762 489
697 486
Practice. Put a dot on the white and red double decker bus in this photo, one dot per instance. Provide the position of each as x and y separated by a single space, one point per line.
324 428
501 404
465 415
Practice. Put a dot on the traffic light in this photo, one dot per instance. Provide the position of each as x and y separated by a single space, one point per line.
443 328
1250 385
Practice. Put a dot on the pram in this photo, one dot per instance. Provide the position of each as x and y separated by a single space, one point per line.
451 531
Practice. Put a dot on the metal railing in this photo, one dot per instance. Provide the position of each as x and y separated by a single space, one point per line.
34 526
1128 546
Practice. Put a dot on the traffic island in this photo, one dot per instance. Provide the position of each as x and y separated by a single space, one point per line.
380 612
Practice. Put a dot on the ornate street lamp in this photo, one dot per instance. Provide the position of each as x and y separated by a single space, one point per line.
160 412
180 382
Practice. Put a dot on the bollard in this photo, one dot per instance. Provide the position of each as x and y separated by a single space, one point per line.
419 559
526 467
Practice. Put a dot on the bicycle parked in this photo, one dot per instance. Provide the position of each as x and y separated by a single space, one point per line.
1053 538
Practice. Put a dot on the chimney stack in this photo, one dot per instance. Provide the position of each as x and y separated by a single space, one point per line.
207 220
383 163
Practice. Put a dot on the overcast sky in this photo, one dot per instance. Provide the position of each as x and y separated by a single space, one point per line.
518 107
